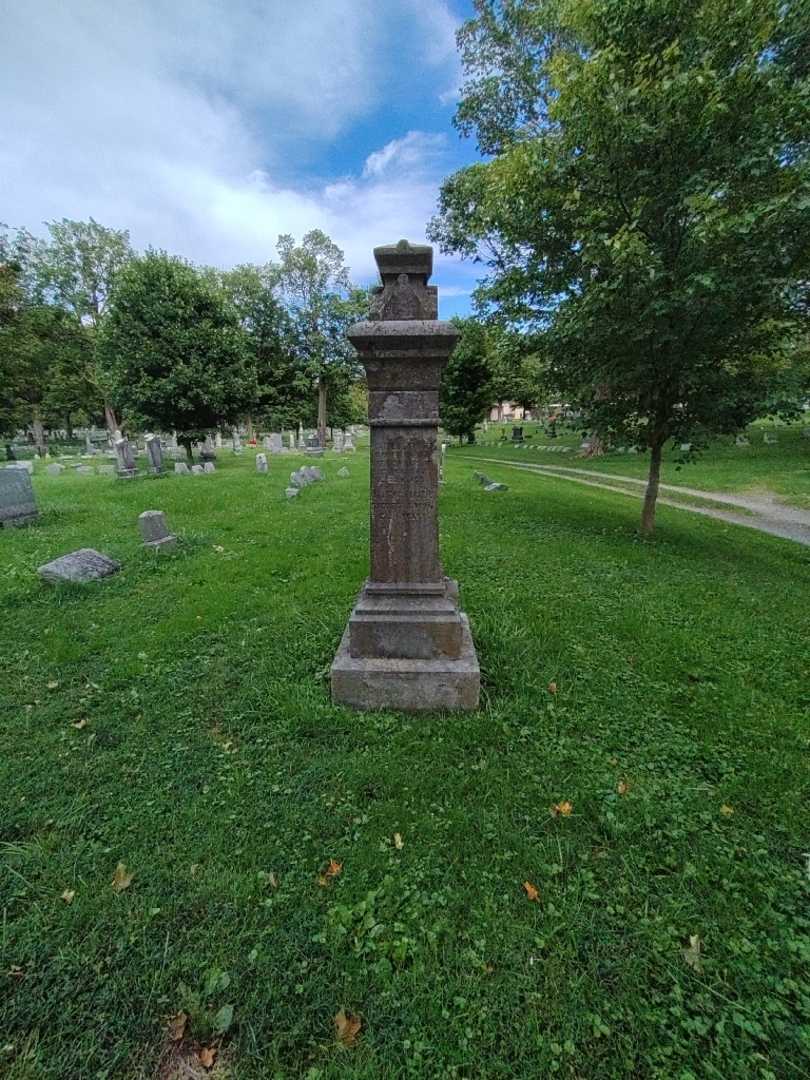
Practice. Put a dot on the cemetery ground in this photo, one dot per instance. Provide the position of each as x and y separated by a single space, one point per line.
599 874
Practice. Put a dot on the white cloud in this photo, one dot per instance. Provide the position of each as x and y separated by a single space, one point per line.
416 150
178 121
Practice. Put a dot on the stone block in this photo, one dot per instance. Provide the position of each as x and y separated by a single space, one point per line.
409 685
86 564
17 503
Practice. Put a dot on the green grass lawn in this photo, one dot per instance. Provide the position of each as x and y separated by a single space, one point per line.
782 469
176 718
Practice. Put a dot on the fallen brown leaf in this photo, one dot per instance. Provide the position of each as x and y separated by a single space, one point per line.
68 895
347 1027
399 843
272 880
531 891
726 810
79 724
332 871
207 1056
562 809
177 1026
622 787
122 878
53 684
552 687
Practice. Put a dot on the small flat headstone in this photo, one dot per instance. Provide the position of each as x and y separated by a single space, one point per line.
55 469
85 470
209 467
181 468
86 564
741 440
197 470
343 472
291 492
496 487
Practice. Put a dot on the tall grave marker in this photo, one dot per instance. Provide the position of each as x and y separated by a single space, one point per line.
407 645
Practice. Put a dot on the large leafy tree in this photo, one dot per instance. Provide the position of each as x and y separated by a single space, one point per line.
317 292
284 388
75 268
644 203
174 350
466 390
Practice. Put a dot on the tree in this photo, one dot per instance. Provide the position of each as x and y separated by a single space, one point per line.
466 389
645 203
322 305
174 350
284 387
76 268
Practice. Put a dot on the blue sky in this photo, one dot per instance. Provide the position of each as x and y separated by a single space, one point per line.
208 127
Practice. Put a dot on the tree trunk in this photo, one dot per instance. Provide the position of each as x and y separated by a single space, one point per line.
651 494
109 418
322 410
39 433
249 425
189 451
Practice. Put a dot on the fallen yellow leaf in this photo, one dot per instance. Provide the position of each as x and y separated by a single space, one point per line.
552 687
79 724
177 1026
68 895
623 787
726 810
272 879
122 878
347 1027
52 685
399 843
207 1056
531 891
691 954
564 809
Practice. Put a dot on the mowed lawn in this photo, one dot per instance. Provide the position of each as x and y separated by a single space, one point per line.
176 718
781 469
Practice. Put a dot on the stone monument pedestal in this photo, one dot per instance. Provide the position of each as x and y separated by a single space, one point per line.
407 645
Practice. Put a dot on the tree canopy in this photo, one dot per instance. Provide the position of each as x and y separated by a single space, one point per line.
644 203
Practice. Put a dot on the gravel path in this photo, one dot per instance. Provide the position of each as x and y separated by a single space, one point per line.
762 512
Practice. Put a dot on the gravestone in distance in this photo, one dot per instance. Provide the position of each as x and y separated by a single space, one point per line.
55 469
313 447
155 531
126 459
197 470
79 566
154 454
741 440
208 451
209 467
338 439
517 434
348 444
291 440
261 463
17 503
343 472
181 468
769 438
274 443
407 645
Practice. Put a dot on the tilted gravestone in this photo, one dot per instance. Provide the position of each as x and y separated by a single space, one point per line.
154 453
197 470
17 503
155 531
181 468
79 566
126 459
407 645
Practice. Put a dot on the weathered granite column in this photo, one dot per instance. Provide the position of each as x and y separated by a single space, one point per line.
407 645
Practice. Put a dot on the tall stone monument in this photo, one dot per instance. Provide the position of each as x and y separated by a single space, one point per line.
407 645
126 459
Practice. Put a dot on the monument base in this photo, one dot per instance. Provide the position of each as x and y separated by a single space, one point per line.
407 685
